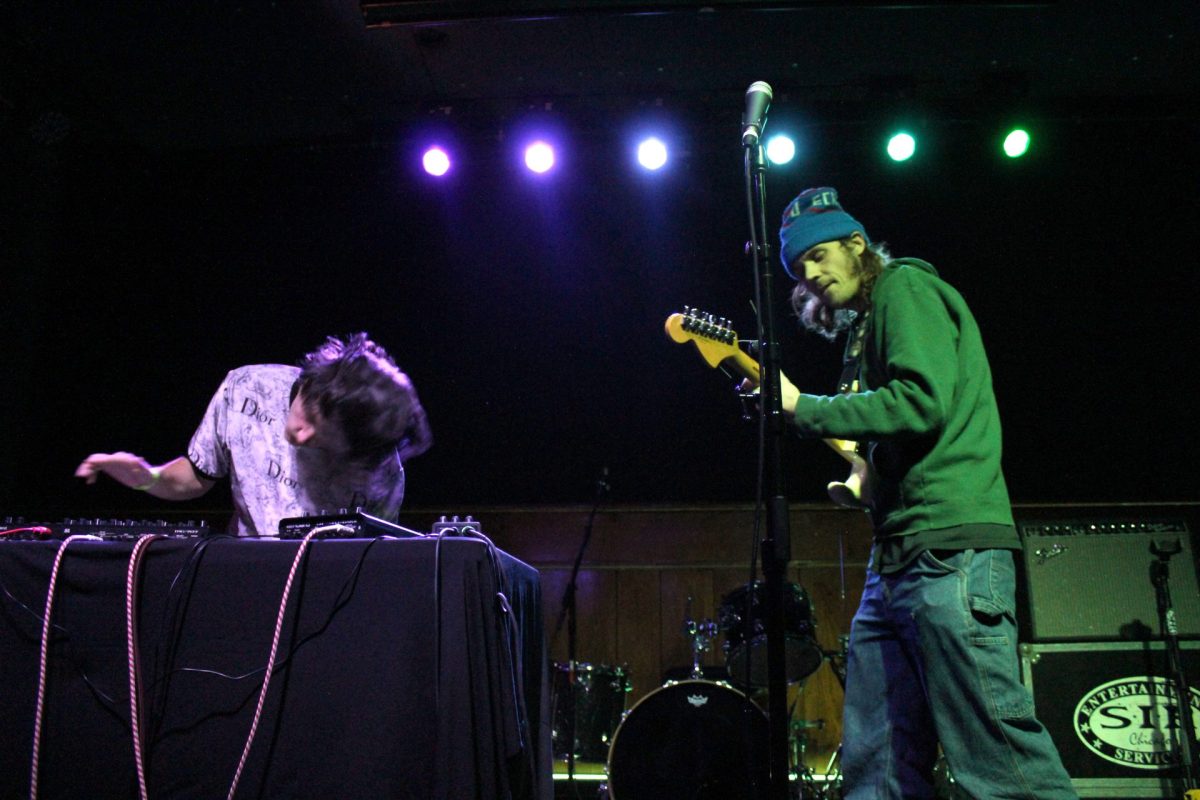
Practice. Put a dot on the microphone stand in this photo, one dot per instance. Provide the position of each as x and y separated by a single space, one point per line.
1160 576
776 546
568 613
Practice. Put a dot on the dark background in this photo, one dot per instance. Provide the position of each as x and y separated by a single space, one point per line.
192 187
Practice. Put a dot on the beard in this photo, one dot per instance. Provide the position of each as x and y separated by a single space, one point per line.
821 318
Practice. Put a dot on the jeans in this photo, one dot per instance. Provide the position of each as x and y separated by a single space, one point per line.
933 660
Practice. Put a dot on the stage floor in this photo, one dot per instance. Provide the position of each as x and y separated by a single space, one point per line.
590 776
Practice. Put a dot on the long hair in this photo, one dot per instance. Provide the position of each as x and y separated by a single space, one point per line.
819 318
357 386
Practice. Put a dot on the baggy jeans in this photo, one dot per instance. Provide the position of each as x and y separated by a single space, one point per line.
933 660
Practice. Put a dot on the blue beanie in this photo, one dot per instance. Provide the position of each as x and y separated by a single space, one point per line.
815 216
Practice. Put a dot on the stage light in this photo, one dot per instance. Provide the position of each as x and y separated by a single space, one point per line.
436 162
652 153
1016 143
781 149
901 147
539 157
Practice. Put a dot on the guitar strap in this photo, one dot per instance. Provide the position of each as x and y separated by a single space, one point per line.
852 358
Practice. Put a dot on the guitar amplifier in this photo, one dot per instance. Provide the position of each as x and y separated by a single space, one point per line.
1090 580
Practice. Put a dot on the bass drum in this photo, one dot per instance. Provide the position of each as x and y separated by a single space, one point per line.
693 739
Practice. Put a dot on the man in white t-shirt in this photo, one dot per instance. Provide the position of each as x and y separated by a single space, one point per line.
331 434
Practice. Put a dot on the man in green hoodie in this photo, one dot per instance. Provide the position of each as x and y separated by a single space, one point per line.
933 646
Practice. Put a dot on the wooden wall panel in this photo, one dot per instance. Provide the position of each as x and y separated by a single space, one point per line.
595 617
639 626
641 536
641 567
643 563
679 591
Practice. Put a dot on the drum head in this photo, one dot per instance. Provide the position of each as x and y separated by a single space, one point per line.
693 739
743 617
747 663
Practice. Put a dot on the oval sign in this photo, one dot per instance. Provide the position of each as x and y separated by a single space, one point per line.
1134 721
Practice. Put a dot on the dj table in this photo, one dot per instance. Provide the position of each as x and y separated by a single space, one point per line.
405 668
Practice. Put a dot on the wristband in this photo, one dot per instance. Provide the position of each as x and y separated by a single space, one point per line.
155 474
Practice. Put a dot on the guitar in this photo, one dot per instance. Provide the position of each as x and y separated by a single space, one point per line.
718 344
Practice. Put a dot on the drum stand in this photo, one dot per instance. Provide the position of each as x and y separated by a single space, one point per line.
798 742
700 635
831 785
829 788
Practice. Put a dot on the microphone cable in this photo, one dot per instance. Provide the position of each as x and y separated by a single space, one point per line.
262 696
43 658
131 647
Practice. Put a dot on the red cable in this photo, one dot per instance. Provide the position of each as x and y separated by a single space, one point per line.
262 696
131 574
45 649
40 530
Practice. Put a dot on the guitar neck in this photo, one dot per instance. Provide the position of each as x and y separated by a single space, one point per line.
718 346
745 366
749 368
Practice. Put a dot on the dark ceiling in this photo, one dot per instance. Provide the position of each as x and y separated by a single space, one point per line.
221 74
189 186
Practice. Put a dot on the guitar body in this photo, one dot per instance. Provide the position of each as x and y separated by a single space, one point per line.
855 491
718 344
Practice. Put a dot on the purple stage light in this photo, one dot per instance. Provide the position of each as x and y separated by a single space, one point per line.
539 157
436 161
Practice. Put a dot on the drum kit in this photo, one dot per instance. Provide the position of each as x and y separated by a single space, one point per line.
697 737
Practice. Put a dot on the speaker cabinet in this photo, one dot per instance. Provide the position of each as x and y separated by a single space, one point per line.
1111 710
1090 580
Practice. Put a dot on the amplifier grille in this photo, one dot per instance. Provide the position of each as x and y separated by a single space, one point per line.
1089 580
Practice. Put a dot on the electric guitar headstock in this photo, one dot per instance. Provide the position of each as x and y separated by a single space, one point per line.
718 345
713 337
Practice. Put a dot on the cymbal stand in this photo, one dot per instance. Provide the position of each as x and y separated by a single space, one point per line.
837 661
700 635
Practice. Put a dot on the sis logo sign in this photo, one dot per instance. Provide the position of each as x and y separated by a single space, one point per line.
1135 721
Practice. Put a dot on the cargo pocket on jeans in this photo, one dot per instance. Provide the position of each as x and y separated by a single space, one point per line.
991 590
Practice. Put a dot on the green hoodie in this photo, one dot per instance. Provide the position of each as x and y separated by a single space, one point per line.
926 402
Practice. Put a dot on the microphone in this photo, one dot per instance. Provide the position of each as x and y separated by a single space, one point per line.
758 100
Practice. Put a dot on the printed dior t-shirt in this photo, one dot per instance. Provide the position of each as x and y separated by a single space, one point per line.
242 437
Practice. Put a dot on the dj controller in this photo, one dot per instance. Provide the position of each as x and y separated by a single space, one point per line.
17 529
344 525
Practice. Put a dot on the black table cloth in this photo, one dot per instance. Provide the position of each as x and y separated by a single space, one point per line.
406 668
